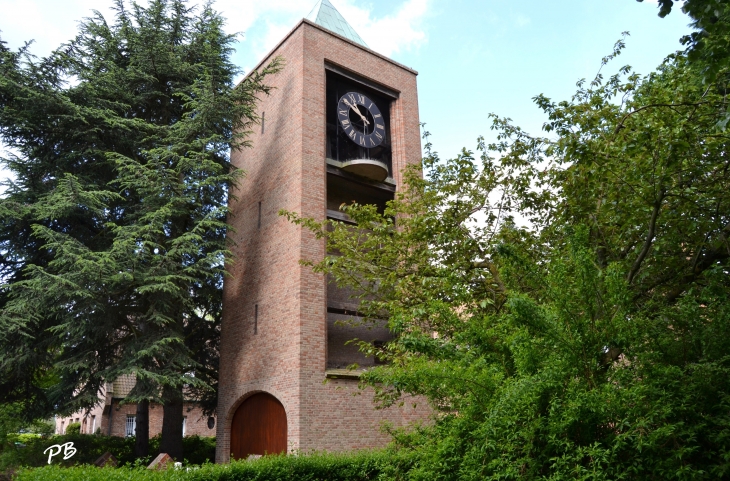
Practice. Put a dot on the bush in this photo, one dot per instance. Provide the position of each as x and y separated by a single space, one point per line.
362 466
196 450
73 428
15 433
88 449
26 438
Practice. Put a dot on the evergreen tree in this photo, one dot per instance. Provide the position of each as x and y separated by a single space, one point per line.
113 237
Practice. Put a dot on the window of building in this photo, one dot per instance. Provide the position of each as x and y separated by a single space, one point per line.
131 426
185 419
62 426
378 345
93 424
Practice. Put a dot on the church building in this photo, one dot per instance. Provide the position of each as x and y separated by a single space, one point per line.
340 126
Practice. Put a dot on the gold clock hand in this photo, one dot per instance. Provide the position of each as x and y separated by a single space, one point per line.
353 107
357 110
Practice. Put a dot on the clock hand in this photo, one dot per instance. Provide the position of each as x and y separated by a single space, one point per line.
354 107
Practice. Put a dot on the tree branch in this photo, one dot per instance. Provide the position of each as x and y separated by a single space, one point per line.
649 238
492 270
645 107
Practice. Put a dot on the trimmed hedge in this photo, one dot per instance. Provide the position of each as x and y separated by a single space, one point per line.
360 466
196 450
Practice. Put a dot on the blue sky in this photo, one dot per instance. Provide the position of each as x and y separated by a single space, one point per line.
473 56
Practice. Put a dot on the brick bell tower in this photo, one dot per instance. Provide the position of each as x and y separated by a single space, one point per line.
339 127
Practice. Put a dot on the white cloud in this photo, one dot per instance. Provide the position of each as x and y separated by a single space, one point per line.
390 34
242 14
274 33
522 20
52 22
48 23
400 31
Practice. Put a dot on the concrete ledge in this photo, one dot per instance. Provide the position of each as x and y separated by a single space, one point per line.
343 373
335 168
368 168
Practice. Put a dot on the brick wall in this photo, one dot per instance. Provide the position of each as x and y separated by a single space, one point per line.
283 349
196 422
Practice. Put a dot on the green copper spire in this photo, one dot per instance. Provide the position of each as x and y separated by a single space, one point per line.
327 16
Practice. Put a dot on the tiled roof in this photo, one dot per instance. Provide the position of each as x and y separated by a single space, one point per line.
327 16
123 385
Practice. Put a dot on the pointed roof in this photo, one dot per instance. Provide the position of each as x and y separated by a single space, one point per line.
327 16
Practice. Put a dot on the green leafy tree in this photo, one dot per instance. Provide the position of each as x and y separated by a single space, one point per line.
709 44
563 301
113 237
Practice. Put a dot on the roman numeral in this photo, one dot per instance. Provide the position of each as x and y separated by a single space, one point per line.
352 98
351 133
343 112
377 134
371 141
379 126
361 99
376 116
345 123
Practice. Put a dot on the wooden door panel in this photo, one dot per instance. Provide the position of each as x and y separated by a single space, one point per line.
258 427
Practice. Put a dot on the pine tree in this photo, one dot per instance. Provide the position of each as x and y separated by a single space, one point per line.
113 237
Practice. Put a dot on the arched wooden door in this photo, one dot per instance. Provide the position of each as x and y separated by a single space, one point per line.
259 427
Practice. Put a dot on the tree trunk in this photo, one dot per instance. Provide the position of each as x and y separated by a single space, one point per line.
142 436
171 442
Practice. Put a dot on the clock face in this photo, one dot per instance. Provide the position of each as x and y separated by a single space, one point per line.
361 120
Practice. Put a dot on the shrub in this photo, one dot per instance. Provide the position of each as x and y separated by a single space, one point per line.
361 466
88 450
15 433
73 428
196 450
26 438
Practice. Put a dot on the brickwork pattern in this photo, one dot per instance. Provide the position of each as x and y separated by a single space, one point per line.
195 424
280 347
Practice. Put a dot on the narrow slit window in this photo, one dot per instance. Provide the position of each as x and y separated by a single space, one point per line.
263 121
256 319
259 222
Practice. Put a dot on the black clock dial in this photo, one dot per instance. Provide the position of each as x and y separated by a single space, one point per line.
361 120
